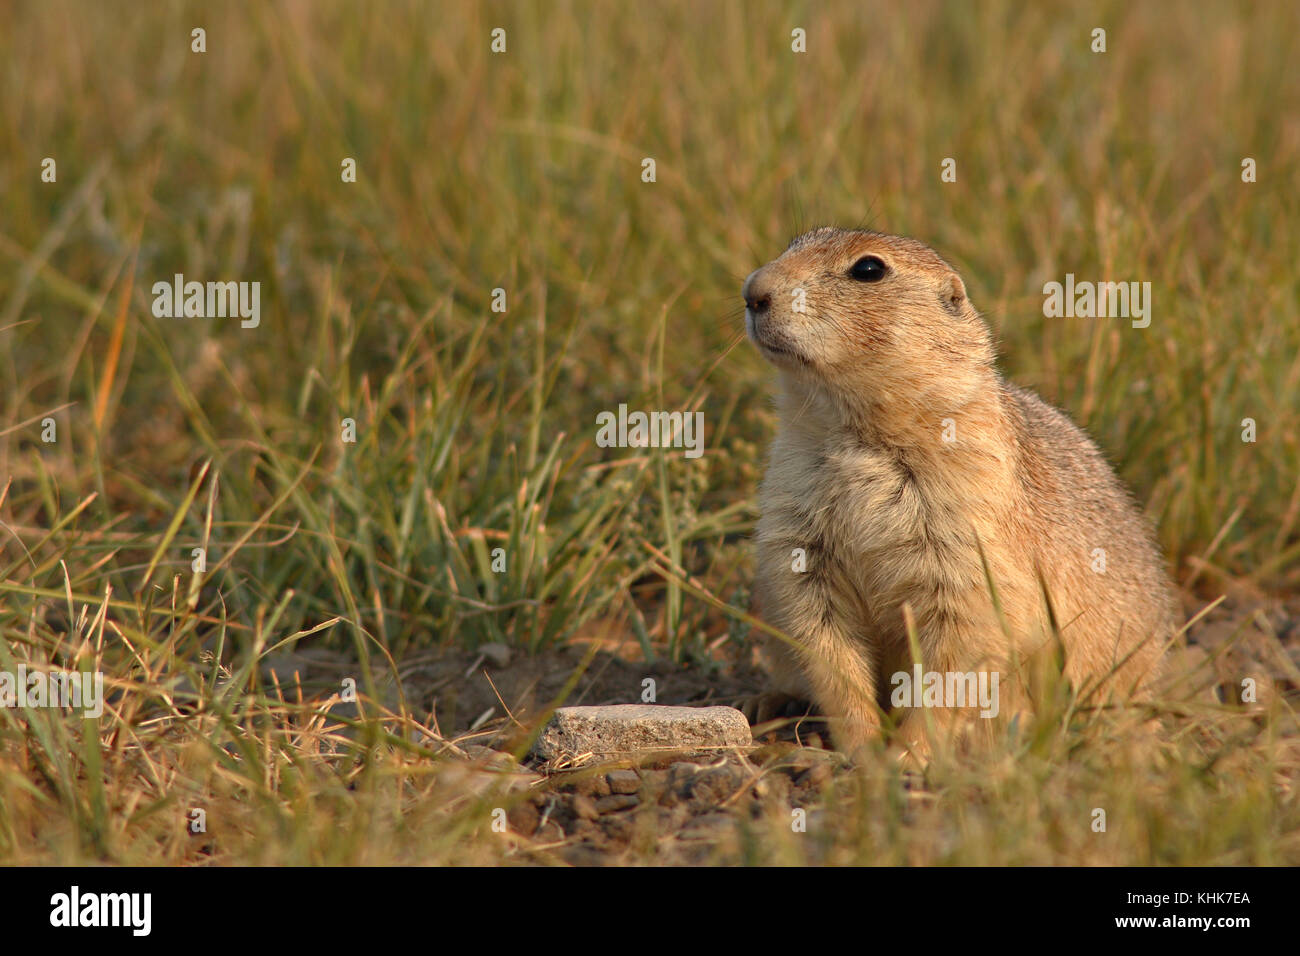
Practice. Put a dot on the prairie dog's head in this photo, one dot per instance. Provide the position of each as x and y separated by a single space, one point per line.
867 314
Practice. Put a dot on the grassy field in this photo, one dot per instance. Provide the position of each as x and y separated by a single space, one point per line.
475 429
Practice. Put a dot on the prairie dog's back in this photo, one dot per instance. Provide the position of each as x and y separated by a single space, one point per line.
1095 542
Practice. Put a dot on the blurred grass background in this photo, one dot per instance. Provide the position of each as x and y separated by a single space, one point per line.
523 171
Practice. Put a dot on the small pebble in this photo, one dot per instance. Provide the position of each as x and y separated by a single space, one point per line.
594 785
616 801
623 781
814 776
497 654
584 808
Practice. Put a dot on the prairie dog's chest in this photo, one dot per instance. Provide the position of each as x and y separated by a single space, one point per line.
848 500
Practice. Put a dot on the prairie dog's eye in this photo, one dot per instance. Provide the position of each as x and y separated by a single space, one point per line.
868 269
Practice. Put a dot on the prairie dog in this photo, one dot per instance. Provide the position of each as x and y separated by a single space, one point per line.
902 463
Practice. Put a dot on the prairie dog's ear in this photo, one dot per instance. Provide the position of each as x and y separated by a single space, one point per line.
954 293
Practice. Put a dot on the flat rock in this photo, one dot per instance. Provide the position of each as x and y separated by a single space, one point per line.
639 728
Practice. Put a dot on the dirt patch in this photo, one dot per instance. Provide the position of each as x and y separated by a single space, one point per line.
1245 647
481 691
681 812
696 810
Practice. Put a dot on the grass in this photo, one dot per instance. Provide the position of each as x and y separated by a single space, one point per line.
475 429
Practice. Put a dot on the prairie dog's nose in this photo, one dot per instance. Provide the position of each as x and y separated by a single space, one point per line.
757 292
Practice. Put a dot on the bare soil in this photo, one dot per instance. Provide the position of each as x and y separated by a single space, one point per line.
680 810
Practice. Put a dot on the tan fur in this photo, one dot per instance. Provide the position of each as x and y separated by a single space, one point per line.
890 514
